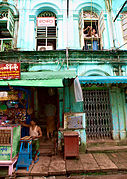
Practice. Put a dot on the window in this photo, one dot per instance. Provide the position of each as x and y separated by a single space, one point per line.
6 29
46 31
91 27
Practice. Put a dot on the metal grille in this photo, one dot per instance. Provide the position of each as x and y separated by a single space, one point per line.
98 114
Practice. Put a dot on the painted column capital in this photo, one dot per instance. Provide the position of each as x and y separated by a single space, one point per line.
105 16
75 16
32 17
59 17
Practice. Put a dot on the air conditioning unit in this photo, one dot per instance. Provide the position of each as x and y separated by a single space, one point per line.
42 48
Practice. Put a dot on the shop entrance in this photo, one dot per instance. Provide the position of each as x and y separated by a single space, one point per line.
98 114
46 112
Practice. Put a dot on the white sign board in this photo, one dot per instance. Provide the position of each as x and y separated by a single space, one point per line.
3 94
45 21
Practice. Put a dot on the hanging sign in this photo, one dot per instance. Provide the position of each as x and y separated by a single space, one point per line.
10 71
45 21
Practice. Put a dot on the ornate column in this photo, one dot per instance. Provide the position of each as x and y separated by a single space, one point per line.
32 33
76 31
115 113
60 32
121 110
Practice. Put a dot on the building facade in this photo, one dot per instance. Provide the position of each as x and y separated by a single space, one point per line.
53 42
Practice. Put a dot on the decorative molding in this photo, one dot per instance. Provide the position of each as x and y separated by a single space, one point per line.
47 14
87 15
32 17
4 14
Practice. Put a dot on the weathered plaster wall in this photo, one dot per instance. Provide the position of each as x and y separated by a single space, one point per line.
68 28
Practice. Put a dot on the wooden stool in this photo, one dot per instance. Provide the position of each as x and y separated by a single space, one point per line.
25 153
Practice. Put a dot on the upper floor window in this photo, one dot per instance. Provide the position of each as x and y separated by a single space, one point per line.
46 31
91 27
6 29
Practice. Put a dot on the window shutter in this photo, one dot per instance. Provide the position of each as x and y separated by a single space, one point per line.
101 23
124 27
101 27
10 23
81 26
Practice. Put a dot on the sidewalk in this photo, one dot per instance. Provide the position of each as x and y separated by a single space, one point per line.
86 164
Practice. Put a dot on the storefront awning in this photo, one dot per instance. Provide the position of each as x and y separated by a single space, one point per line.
46 75
41 79
35 83
102 79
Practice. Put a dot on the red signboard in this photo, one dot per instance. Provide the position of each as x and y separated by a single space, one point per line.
45 21
10 71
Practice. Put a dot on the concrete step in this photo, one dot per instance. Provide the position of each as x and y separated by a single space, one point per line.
46 152
99 143
47 145
96 149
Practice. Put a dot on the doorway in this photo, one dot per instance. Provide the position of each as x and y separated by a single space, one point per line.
98 114
47 110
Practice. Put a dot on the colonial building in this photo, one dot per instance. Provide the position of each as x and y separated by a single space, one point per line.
55 41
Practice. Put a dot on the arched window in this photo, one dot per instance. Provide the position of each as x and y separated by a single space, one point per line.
6 29
91 27
46 31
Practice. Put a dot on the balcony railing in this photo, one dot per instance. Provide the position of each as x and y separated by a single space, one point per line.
91 43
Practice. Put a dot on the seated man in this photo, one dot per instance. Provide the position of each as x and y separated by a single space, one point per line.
35 133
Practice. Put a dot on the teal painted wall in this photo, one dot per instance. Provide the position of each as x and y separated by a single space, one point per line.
118 107
67 28
70 105
68 36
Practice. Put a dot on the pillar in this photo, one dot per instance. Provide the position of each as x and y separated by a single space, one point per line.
106 37
60 32
66 96
36 103
60 91
75 106
76 31
121 108
115 113
122 112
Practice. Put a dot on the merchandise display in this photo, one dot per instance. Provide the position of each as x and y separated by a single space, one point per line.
12 107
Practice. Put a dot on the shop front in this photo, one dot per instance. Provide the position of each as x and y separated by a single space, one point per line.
34 96
23 100
105 107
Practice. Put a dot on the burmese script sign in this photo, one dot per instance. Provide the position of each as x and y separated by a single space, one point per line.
45 21
5 153
74 120
10 71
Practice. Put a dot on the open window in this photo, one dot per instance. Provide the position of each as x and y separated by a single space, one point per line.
91 27
6 29
46 31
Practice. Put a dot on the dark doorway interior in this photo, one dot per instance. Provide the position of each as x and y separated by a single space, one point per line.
47 103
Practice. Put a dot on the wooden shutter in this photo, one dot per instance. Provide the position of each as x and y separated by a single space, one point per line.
101 27
81 26
101 23
124 27
10 23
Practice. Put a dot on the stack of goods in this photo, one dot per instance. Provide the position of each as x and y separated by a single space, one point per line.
5 137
